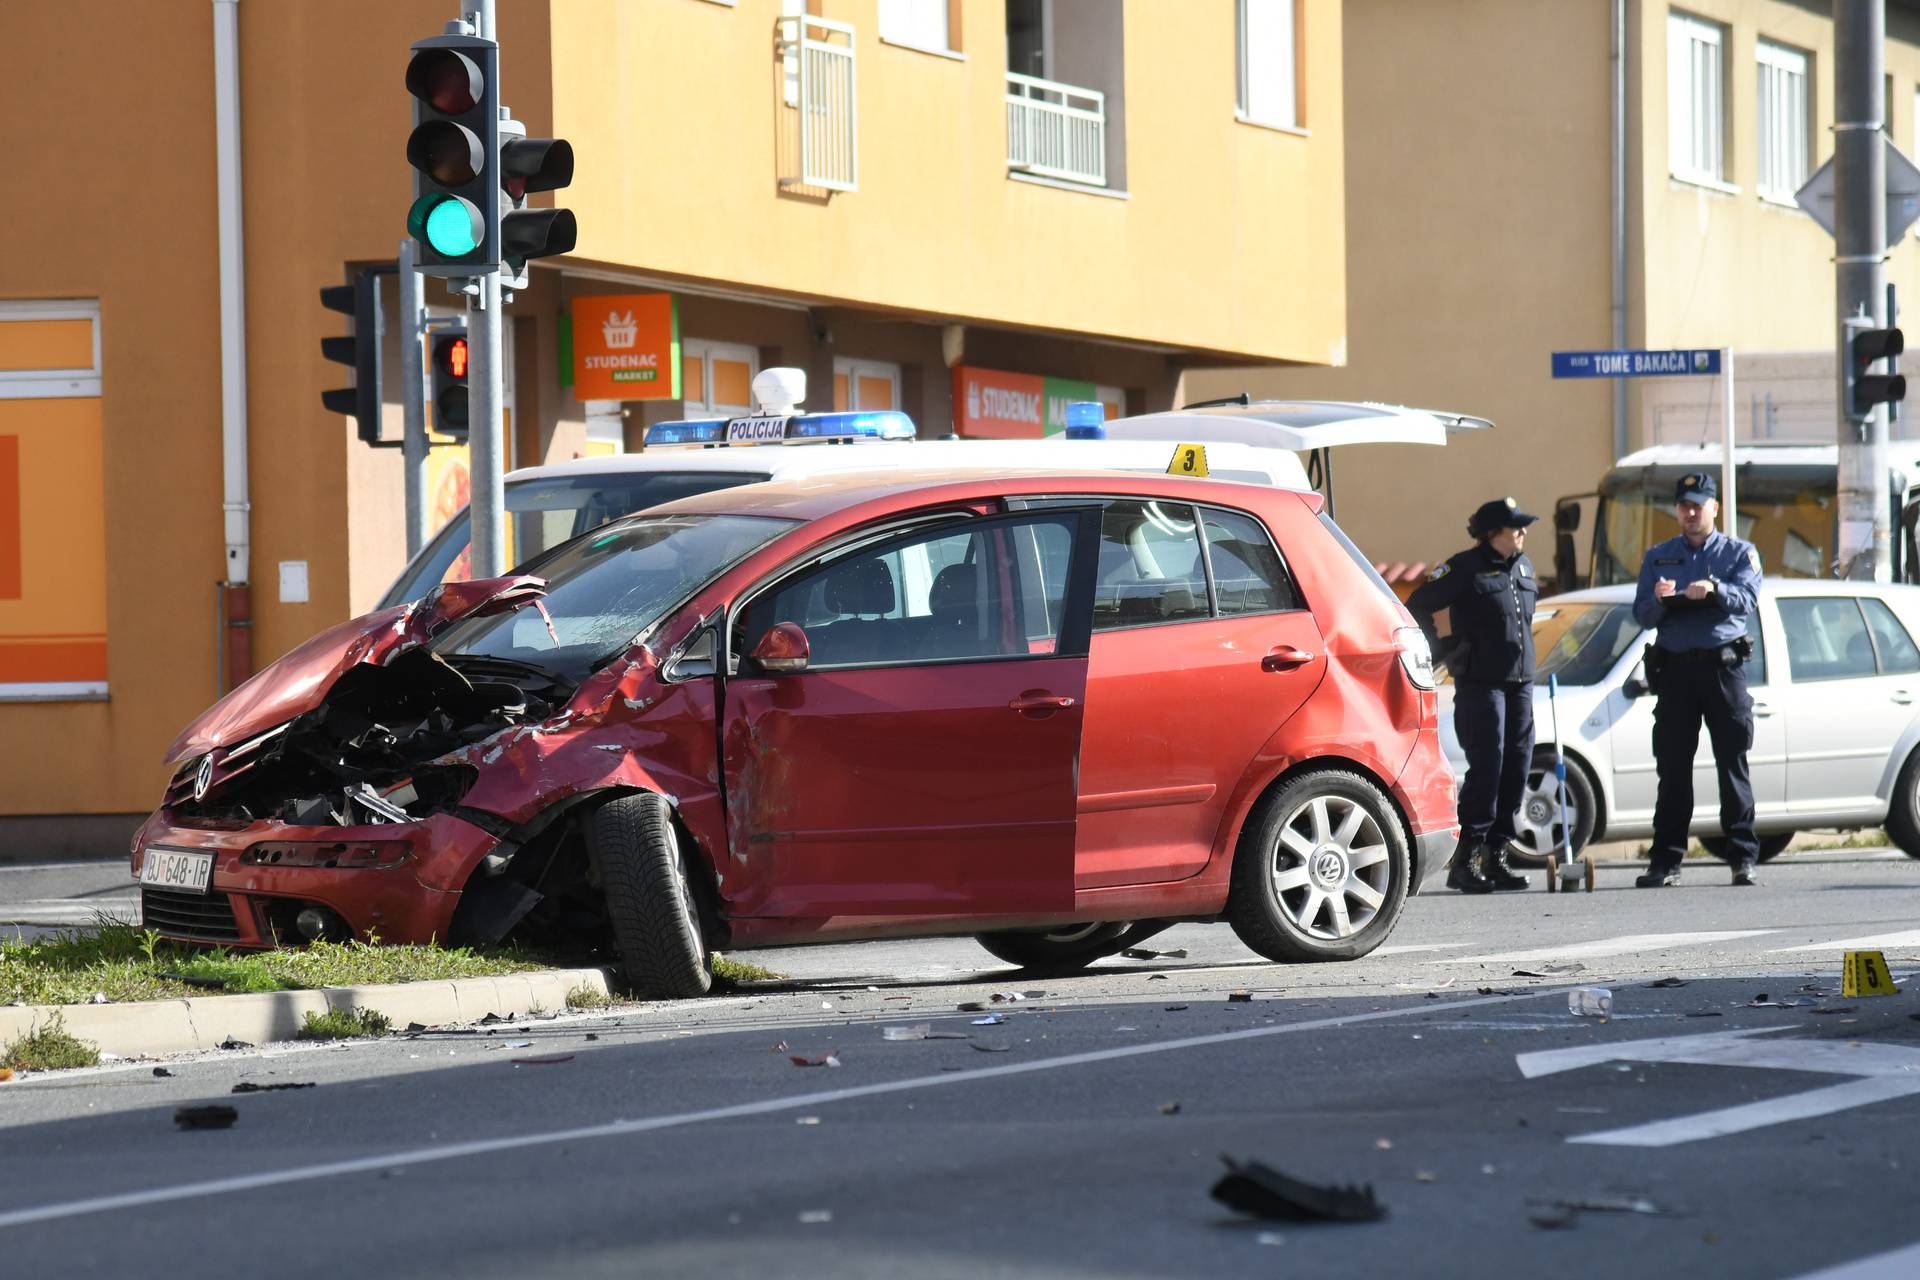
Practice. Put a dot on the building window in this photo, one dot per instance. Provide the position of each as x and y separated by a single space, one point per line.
1268 37
1696 99
717 377
865 384
921 24
1785 113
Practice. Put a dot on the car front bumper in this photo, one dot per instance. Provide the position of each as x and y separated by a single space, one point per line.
255 906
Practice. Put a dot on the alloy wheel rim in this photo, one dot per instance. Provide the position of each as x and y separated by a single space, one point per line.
1329 871
1536 824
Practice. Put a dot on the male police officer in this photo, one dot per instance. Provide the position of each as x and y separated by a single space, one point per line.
1699 589
1489 592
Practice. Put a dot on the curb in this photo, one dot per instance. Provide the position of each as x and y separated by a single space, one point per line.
204 1022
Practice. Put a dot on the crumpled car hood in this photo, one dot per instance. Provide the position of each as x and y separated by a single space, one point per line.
298 681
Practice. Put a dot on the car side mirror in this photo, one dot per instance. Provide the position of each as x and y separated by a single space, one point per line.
783 651
1566 518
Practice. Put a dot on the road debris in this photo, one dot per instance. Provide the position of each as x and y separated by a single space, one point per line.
1169 1108
1269 1237
1142 953
1668 982
1240 997
1500 991
1010 997
494 1019
832 1059
513 1044
1425 1175
808 1120
249 1086
1156 977
231 1043
813 1217
916 1032
1383 1144
1176 1008
161 1072
552 1059
1252 1188
1762 1002
1590 1002
1838 1008
1551 970
985 1046
1556 1215
971 1006
991 1020
207 1117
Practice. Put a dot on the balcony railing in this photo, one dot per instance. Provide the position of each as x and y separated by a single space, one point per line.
1056 130
817 58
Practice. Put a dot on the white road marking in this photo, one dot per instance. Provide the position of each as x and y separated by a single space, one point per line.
1887 1071
652 1124
1896 1264
1601 948
1872 942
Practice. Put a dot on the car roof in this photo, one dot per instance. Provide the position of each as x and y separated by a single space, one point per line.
811 497
1622 592
1297 424
1247 462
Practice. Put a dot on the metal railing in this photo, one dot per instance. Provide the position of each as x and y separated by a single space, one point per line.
1056 130
817 60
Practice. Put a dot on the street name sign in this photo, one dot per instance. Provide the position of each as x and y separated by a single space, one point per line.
1903 194
1635 364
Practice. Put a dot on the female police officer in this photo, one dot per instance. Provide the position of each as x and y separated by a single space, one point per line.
1489 592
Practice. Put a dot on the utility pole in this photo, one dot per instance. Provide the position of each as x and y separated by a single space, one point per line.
413 440
1860 235
486 386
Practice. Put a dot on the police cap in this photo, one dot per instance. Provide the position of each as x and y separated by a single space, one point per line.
1696 487
1500 513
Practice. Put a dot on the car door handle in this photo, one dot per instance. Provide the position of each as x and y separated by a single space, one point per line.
1901 696
1038 701
1285 658
1763 709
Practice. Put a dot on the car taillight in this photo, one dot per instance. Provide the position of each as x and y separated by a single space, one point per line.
1416 657
350 854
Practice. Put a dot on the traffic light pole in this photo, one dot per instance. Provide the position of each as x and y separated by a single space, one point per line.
486 389
413 375
1860 235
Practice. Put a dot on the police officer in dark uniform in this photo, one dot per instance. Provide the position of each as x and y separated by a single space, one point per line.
1698 589
1489 592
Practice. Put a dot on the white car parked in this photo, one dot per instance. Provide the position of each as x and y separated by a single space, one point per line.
1835 675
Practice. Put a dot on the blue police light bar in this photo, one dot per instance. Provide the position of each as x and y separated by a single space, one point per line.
807 428
1086 420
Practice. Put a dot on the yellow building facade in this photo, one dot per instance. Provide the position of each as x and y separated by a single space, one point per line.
936 205
1479 202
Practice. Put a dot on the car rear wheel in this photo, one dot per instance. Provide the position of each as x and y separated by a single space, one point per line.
1903 819
650 900
1770 845
1063 950
1536 823
1321 872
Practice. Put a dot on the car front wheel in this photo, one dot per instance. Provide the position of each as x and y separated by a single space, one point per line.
1536 823
650 902
1321 871
1903 820
1064 950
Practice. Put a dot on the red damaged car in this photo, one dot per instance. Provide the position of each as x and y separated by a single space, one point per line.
1057 712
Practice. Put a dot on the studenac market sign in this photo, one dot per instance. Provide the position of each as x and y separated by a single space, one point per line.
625 346
1012 406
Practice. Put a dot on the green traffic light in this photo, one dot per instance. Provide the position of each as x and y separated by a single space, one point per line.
449 225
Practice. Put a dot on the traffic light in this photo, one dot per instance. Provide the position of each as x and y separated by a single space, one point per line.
1865 390
527 165
455 152
360 350
450 382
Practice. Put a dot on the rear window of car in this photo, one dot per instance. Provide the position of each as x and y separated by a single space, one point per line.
1353 554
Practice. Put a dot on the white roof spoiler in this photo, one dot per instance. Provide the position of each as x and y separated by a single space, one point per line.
1296 424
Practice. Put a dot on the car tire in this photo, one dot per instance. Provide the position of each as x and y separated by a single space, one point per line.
1903 817
1537 821
1297 862
636 853
1066 949
1771 844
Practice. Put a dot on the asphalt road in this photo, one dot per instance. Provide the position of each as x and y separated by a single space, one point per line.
1713 1137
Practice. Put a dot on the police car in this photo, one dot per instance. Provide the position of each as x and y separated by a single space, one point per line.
1240 440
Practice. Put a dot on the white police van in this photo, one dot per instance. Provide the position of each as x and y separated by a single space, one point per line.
547 505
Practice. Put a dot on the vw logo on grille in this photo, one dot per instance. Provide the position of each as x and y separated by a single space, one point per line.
203 776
